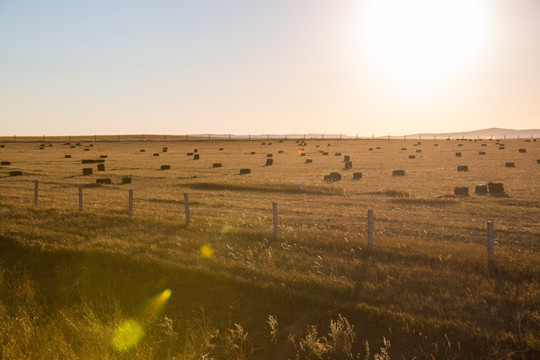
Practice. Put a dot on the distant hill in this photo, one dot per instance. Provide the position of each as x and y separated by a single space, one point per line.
484 133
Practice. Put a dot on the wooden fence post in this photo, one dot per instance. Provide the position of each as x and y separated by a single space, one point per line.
274 206
490 242
370 228
186 203
130 202
80 199
36 189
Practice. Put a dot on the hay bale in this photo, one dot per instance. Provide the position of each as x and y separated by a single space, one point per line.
280 152
495 188
156 154
263 143
245 171
165 149
303 154
370 149
88 161
378 147
522 150
403 149
325 153
435 144
510 164
103 181
538 161
165 167
461 191
220 149
346 158
86 149
195 150
126 180
102 156
100 161
459 144
501 147
269 144
348 165
2 146
333 176
78 144
328 145
142 150
87 171
338 154
67 156
196 157
481 189
458 154
269 155
189 154
5 163
398 173
216 165
482 153
309 161
100 167
269 162
357 176
72 146
418 151
15 173
252 153
412 157
486 144
463 168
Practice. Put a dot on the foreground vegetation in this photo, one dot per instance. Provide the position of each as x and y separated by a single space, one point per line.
101 284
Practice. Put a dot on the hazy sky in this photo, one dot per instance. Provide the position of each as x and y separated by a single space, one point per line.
277 66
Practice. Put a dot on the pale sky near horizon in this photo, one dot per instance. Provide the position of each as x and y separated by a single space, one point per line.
278 66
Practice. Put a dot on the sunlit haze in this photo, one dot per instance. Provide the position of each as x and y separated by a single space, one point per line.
276 67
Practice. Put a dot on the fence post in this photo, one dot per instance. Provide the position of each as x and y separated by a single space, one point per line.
80 199
130 202
36 187
370 228
274 207
186 203
490 242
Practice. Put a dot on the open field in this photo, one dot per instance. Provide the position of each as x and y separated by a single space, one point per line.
69 279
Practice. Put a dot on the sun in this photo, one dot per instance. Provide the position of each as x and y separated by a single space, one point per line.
423 41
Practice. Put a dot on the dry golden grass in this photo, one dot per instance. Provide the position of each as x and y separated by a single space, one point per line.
69 277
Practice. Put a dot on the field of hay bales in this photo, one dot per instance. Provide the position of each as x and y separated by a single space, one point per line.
99 283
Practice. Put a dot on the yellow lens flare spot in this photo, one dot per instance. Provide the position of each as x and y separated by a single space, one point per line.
226 229
127 335
206 251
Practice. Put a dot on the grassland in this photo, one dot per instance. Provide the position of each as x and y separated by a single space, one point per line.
70 280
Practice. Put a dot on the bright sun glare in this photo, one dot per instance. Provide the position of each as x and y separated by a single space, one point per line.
423 42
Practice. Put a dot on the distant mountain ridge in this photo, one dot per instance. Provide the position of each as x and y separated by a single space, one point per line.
484 133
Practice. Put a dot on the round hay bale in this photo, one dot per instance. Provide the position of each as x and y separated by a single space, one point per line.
338 154
481 189
522 150
486 144
333 176
303 154
263 143
435 144
103 181
67 156
501 147
403 149
269 155
459 144
357 176
418 151
412 157
495 188
309 161
102 156
458 154
165 167
100 161
156 154
510 164
2 146
78 144
463 168
15 173
189 154
325 153
280 152
126 180
5 163
461 191
269 162
195 156
195 150
398 173
252 153
87 171
348 165
538 161
165 149
347 158
269 143
142 150
245 171
86 149
72 146
216 165
482 153
370 149
220 149
100 167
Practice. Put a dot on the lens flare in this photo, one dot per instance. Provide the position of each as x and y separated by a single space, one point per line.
226 229
206 251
